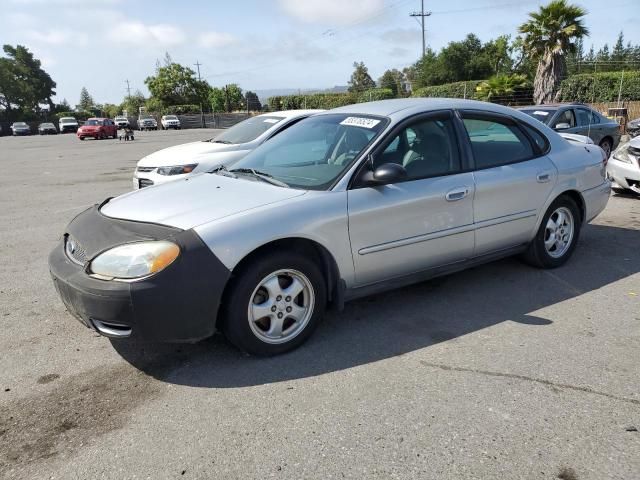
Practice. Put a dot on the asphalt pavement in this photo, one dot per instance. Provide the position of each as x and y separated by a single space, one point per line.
499 372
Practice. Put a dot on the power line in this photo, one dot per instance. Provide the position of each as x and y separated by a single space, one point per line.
422 14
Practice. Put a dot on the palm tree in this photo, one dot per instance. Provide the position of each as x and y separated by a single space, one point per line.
549 35
500 86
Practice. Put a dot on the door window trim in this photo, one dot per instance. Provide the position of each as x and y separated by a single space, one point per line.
504 119
389 137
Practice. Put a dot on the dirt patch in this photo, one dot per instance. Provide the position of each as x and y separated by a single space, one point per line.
567 473
78 409
48 378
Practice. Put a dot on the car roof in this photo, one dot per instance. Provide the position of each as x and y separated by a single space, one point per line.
292 113
403 107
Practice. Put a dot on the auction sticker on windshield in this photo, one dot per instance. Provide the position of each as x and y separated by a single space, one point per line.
271 120
360 122
541 112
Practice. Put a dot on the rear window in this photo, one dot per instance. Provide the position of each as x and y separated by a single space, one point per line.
496 142
539 114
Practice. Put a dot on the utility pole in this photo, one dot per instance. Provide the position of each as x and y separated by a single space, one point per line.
128 89
198 64
422 14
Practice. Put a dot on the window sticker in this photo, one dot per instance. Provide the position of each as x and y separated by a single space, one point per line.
360 122
270 120
541 112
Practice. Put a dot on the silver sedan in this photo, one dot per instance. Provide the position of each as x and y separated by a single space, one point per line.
343 204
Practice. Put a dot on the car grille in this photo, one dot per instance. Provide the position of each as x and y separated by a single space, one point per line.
74 251
146 169
144 182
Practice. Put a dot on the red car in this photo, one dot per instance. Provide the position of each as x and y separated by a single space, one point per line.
98 128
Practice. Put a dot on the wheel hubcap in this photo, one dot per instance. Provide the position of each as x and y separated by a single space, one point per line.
281 306
558 233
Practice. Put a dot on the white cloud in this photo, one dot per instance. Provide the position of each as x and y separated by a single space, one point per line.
216 39
139 34
333 12
58 37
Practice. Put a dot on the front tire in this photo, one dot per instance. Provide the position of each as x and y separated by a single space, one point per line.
557 236
607 146
274 304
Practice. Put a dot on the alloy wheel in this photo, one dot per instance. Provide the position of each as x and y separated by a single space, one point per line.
559 232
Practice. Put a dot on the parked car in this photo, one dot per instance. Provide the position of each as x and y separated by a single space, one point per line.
98 128
633 127
580 119
68 124
147 122
624 166
175 163
170 121
345 203
20 128
121 122
47 128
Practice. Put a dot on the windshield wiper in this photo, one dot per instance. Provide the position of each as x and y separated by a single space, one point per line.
225 142
265 177
222 170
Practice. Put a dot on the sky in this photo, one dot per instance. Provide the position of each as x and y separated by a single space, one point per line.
260 44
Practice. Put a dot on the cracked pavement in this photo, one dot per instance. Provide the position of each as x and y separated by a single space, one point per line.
501 371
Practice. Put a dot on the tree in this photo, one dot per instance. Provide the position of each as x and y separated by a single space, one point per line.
132 103
549 35
360 78
86 102
500 86
619 51
252 101
24 85
174 84
227 98
394 81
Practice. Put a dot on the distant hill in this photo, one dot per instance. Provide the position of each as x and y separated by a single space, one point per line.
264 95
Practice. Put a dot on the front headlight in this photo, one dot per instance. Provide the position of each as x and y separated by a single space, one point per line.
134 260
177 170
622 154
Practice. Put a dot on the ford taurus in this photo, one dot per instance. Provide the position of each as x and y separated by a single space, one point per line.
343 204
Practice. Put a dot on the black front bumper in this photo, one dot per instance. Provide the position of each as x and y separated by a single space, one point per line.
179 304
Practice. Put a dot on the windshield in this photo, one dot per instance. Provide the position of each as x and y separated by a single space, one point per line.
93 122
313 153
247 130
67 120
19 124
542 115
170 117
119 119
146 117
47 125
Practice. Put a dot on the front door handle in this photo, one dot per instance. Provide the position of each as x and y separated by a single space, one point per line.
543 177
457 194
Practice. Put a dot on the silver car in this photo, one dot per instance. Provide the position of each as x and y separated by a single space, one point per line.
343 204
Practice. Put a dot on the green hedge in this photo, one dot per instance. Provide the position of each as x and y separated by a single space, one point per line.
327 100
601 87
76 115
449 90
182 109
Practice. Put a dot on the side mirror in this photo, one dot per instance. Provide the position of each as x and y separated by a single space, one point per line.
562 126
385 174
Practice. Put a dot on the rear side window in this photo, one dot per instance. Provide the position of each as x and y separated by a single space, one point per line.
539 139
497 142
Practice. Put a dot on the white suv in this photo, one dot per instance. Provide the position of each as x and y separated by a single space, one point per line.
121 122
170 121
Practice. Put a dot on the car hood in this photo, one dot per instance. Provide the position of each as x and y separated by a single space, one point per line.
634 142
185 154
195 200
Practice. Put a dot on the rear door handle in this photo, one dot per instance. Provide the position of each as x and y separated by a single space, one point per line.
457 194
543 177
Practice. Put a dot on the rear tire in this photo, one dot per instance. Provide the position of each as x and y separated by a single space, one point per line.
557 235
274 304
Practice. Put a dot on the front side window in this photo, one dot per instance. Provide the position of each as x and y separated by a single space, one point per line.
427 148
567 117
248 130
497 142
314 153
